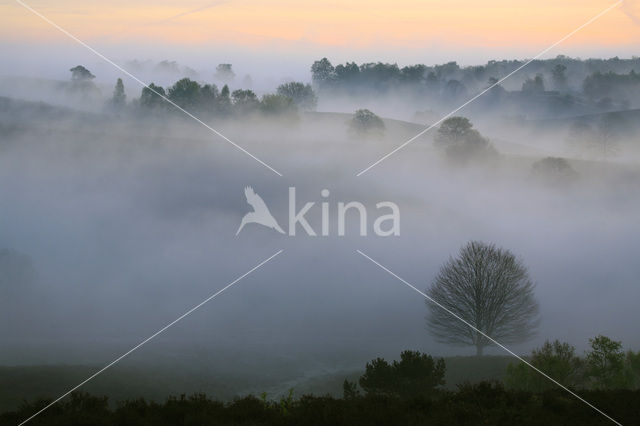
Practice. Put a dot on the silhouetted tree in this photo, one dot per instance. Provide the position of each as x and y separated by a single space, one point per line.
245 101
489 288
322 72
223 103
224 73
605 364
365 123
80 73
208 97
558 76
461 142
119 97
557 359
152 97
414 375
272 104
301 94
185 93
533 85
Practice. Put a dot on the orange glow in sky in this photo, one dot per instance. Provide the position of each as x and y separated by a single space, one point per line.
351 24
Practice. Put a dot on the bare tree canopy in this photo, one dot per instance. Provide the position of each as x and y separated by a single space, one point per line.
488 287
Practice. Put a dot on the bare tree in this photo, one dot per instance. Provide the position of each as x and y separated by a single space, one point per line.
487 287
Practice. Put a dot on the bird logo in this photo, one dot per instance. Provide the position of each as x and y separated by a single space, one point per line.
260 213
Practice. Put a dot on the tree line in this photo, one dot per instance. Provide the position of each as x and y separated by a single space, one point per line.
600 77
206 99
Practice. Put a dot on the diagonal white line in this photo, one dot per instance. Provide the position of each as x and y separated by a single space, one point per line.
100 55
398 148
488 337
115 361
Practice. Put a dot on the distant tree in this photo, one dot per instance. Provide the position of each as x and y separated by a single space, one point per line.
322 72
600 85
365 123
553 170
413 74
349 390
632 362
605 364
533 85
608 133
489 288
496 92
185 93
168 67
208 97
81 74
461 142
301 94
348 75
414 375
119 97
558 76
152 97
223 103
453 130
557 359
224 73
454 89
245 101
273 104
81 82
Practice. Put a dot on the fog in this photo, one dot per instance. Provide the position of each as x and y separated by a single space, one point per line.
117 223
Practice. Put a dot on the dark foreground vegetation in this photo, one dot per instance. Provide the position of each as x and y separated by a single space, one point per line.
482 403
408 391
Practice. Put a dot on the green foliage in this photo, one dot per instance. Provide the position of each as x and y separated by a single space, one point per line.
482 403
632 369
557 359
119 98
223 102
286 403
461 142
80 73
245 101
208 96
349 390
301 94
599 85
534 85
414 375
81 81
366 124
185 93
322 72
605 364
277 105
152 97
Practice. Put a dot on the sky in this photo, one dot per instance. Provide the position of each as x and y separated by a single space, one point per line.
404 31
